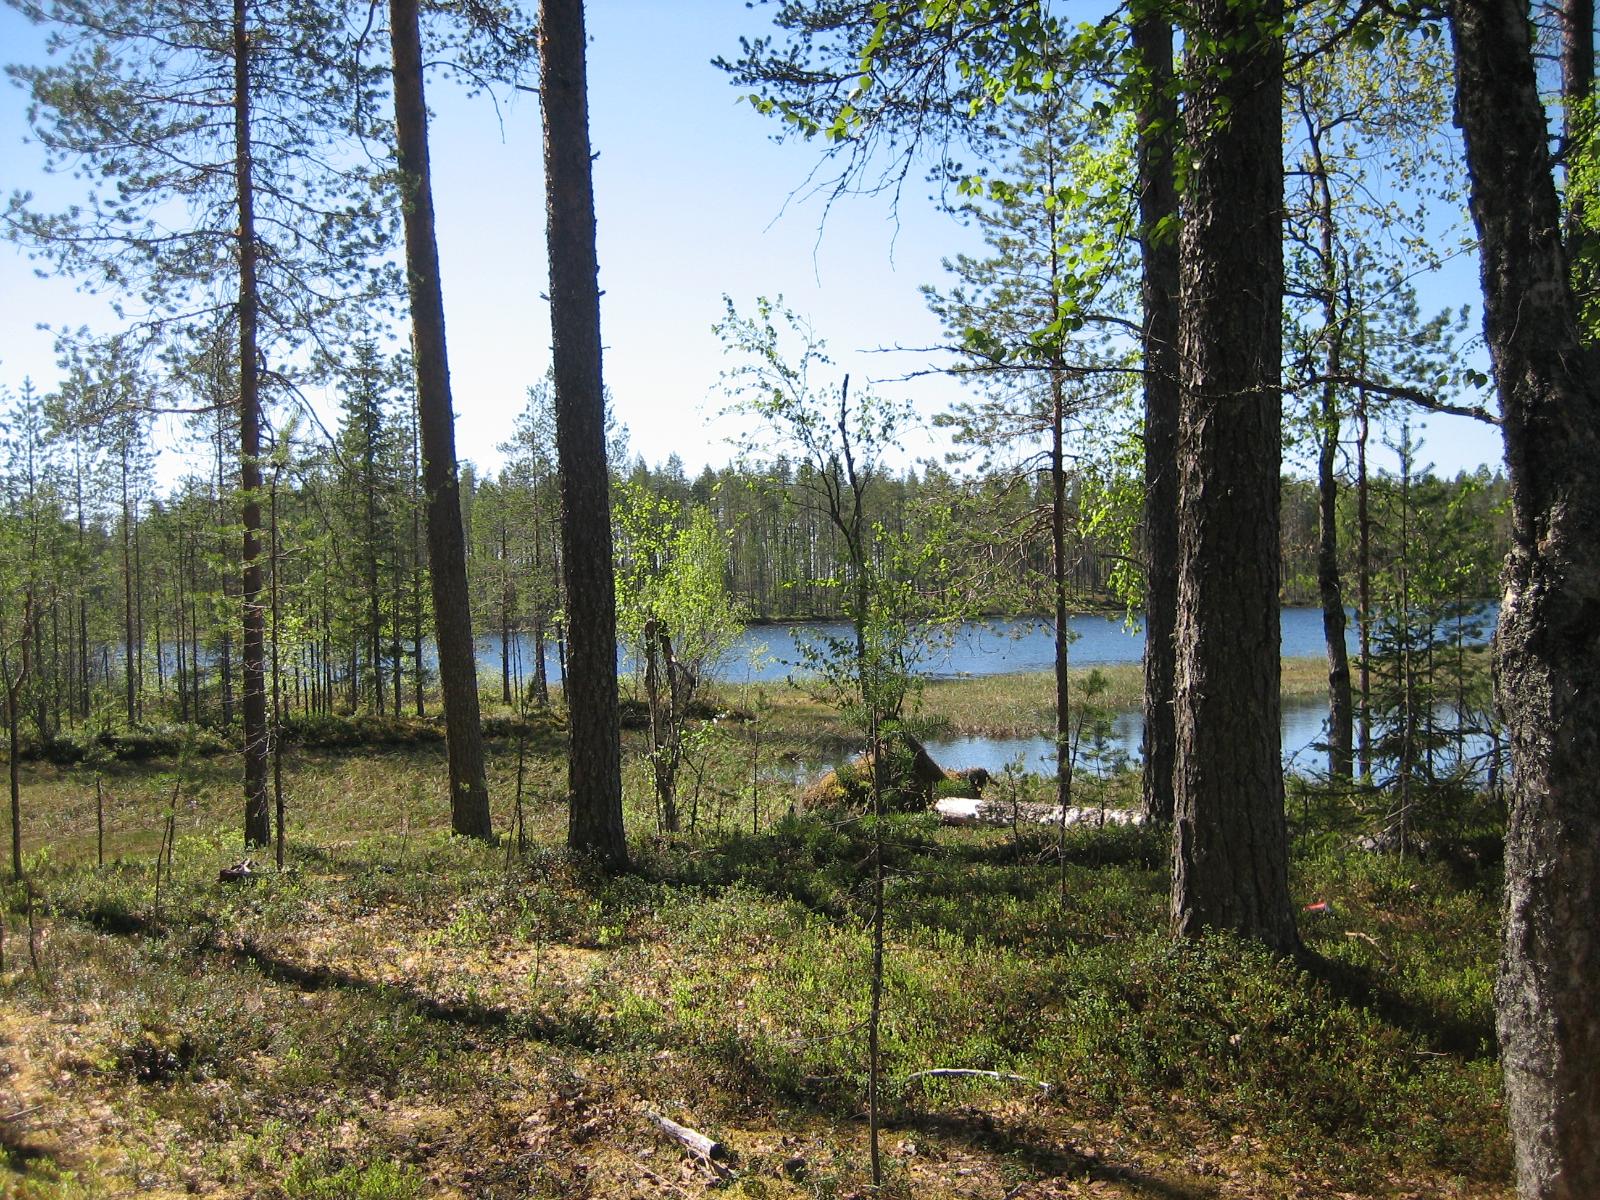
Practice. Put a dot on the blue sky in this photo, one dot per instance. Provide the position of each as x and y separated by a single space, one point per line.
694 201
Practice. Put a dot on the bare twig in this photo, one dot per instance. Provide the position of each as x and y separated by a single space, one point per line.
973 1073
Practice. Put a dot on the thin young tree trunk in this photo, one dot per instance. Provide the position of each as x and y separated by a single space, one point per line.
84 693
1577 132
14 684
417 567
595 765
225 665
277 687
661 720
506 604
1547 647
179 647
1158 242
257 817
369 488
1330 591
458 667
55 667
1058 568
1230 846
1058 509
541 682
13 769
397 637
138 617
198 680
1364 583
128 648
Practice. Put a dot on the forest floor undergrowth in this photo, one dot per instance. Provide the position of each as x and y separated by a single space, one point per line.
402 1014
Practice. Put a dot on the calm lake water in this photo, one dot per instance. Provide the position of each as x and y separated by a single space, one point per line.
771 654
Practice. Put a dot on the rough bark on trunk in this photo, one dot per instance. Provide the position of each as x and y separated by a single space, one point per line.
1547 647
595 766
257 816
447 556
1230 845
1158 202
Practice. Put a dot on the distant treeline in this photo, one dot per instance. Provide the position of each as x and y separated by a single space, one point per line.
781 543
121 602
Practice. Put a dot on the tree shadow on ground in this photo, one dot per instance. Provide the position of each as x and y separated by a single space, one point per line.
1364 987
18 1149
943 886
1041 1154
570 1030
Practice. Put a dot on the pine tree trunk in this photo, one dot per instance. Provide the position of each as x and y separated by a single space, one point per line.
1158 201
1547 648
1230 849
458 668
257 817
1341 732
595 767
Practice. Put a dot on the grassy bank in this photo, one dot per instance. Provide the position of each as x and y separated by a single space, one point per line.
402 1014
1023 705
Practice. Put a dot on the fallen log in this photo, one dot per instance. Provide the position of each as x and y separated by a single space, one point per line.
691 1139
957 811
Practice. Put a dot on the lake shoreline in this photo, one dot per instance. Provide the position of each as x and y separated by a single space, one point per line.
1016 704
